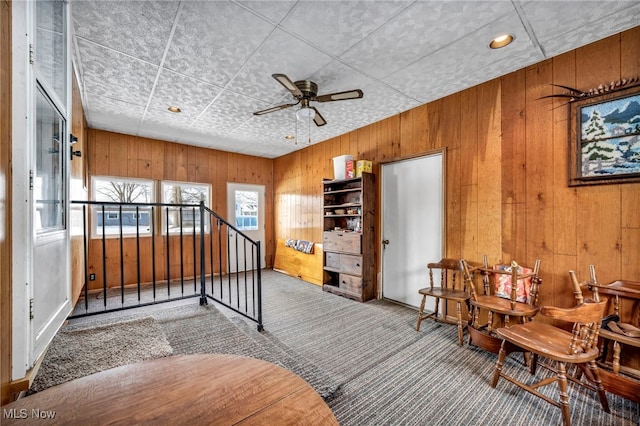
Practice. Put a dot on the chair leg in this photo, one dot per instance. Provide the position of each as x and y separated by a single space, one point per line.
424 297
459 317
602 396
499 364
564 395
533 360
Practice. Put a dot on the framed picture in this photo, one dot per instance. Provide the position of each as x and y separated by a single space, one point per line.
604 138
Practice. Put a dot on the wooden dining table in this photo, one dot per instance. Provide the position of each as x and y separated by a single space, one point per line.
198 389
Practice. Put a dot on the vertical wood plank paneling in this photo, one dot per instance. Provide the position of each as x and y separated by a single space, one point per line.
489 171
565 201
513 162
539 171
468 189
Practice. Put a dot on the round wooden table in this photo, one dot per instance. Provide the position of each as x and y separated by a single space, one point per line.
186 389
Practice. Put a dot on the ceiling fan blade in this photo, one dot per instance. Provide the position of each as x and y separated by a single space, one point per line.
273 109
288 84
318 118
340 96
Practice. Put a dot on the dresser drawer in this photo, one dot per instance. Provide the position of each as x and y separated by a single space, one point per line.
345 242
350 283
346 263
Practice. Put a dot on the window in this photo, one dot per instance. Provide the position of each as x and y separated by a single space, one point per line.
186 218
120 193
247 210
49 182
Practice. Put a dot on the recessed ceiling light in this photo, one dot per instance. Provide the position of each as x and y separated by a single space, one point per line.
501 41
174 109
289 137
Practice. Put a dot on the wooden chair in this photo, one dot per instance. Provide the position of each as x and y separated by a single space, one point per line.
502 298
578 347
450 280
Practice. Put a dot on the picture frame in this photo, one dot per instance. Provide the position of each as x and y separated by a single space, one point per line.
604 138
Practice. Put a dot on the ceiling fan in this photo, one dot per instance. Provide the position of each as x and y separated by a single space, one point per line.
305 91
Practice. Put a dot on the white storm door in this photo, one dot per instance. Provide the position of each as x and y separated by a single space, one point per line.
412 225
40 234
246 212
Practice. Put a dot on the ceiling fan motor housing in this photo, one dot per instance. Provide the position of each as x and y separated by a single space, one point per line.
308 88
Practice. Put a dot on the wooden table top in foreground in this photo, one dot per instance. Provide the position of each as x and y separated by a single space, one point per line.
210 389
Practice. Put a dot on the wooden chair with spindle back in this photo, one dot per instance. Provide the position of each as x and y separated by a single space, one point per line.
577 347
452 287
501 297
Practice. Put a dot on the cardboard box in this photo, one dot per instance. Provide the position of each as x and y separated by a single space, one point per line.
363 166
349 169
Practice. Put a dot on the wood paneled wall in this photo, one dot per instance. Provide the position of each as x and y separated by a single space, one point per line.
114 154
506 172
5 201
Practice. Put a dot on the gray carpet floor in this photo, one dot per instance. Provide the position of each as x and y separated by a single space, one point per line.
368 361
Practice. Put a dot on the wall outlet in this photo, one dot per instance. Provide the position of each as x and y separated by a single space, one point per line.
92 277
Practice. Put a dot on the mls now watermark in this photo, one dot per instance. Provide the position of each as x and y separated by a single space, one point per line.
23 413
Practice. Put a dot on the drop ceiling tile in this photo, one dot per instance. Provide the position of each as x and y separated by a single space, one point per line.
420 30
190 95
139 28
341 24
228 112
112 114
214 39
442 72
557 34
338 77
274 11
111 74
281 53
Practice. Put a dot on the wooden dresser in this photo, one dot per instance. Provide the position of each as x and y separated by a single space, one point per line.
348 237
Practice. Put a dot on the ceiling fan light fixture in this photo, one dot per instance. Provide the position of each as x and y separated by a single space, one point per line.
305 113
501 41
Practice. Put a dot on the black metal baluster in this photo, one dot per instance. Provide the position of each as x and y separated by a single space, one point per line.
181 257
260 326
220 251
121 258
203 267
211 249
168 259
138 248
153 250
195 275
86 257
104 259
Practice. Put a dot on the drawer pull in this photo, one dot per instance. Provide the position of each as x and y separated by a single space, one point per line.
344 282
357 264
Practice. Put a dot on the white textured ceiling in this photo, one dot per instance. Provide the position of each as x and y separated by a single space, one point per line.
214 60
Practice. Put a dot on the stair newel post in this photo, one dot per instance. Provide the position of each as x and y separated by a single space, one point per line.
259 269
203 294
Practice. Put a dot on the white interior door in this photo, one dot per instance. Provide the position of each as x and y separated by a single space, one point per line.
245 204
412 225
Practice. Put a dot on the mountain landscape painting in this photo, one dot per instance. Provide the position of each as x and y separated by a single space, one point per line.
610 138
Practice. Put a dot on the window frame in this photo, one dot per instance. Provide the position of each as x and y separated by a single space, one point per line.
96 228
163 212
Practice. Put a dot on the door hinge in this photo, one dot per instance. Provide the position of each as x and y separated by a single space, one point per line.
30 309
30 179
31 54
